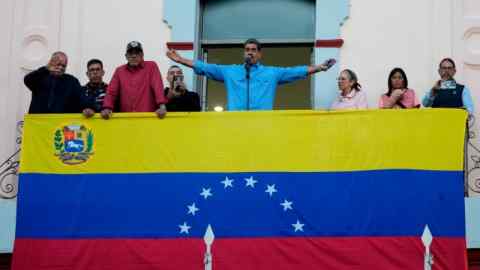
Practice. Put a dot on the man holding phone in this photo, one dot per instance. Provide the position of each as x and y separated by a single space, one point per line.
251 85
179 98
447 93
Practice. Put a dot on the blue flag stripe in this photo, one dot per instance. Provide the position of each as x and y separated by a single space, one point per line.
173 205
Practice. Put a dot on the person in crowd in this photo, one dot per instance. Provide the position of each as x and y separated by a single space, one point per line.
137 86
251 85
447 93
53 90
351 95
179 98
398 96
95 90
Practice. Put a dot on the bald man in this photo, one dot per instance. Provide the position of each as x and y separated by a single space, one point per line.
54 91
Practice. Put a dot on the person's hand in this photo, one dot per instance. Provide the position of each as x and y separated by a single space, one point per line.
435 88
398 93
57 65
328 64
173 55
178 89
106 114
88 113
162 111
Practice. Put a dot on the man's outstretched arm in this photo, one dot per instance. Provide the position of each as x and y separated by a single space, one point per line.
212 71
174 56
322 67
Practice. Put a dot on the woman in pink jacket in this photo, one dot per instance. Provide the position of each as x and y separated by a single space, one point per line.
399 96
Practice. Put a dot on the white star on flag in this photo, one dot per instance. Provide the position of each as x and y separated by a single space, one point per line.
250 182
286 205
206 193
271 189
298 226
184 228
227 182
192 209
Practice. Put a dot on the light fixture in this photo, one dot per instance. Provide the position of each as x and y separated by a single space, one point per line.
218 109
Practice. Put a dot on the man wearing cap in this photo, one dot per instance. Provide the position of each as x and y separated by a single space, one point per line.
137 86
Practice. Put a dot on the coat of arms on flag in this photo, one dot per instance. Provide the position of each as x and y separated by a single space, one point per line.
73 143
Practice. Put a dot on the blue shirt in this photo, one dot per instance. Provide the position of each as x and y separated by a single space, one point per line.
263 82
427 100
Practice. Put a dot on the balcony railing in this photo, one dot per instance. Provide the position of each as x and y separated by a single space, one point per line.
9 169
472 160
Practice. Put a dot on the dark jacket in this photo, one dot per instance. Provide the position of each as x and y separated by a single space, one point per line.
188 102
94 95
51 94
449 98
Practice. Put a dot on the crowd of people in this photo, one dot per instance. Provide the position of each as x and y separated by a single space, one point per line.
137 86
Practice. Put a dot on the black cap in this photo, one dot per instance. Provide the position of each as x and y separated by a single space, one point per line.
134 45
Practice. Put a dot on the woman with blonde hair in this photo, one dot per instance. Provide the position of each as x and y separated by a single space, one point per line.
351 95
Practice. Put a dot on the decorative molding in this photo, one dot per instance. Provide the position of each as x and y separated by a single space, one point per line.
180 46
472 44
34 47
329 43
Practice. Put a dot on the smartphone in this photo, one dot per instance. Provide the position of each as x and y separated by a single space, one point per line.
176 82
331 62
449 84
178 78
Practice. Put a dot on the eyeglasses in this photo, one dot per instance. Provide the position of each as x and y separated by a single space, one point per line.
342 79
447 68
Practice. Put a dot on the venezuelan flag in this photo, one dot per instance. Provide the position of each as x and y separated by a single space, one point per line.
262 190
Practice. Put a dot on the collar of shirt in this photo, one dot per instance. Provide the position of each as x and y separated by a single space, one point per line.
100 85
349 95
255 66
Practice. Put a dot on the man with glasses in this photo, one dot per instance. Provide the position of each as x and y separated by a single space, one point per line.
54 91
447 93
137 86
95 90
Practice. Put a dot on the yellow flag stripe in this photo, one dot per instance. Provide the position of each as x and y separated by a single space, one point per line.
286 141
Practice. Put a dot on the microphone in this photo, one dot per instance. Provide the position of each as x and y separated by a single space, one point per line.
248 61
248 65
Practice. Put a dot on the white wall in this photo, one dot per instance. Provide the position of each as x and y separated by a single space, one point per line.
102 29
6 30
411 34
